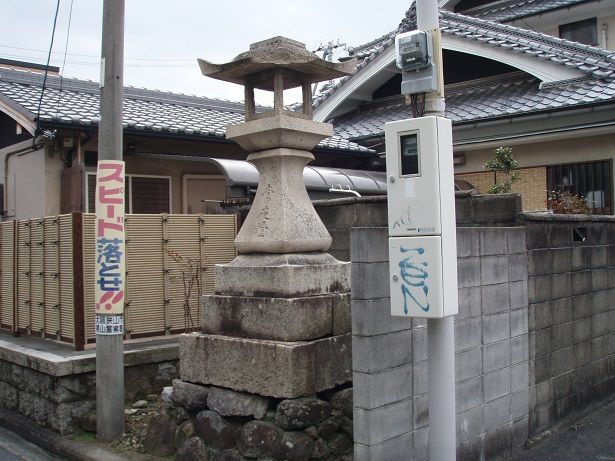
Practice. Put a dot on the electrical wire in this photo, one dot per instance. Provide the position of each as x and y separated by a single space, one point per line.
40 101
70 17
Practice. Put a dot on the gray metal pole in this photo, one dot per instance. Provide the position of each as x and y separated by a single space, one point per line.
110 348
440 332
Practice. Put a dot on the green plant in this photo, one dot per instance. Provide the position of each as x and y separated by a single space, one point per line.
563 202
502 162
191 272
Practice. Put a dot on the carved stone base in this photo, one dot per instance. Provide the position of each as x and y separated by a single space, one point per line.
270 368
283 276
282 319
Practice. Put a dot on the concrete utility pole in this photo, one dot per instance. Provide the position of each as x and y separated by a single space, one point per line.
440 332
110 250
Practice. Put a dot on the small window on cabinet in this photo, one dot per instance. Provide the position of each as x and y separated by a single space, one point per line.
585 31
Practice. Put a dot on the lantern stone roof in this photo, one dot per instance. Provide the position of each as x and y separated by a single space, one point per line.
276 52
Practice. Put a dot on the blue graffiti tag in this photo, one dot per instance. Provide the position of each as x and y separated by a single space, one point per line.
414 273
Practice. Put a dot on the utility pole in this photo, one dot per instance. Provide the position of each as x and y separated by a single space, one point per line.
110 235
440 331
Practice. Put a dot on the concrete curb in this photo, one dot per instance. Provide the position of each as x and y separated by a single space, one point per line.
63 446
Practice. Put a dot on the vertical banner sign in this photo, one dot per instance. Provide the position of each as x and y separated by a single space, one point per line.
110 248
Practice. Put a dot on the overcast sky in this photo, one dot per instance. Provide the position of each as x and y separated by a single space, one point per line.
163 38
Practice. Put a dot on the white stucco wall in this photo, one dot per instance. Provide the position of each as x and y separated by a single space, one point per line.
583 149
25 187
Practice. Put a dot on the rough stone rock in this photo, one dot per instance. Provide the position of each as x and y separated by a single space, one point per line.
140 404
167 394
184 432
226 455
342 400
215 430
64 418
230 403
151 397
347 426
259 439
167 372
301 413
88 422
181 415
330 425
340 444
311 432
192 397
192 449
295 446
160 437
320 450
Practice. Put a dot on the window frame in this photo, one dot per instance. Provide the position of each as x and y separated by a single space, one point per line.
128 178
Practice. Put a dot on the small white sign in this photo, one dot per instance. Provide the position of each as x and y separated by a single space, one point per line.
109 324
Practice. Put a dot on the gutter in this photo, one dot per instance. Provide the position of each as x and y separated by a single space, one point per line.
534 134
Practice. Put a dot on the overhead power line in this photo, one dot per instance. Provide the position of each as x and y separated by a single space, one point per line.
96 57
40 101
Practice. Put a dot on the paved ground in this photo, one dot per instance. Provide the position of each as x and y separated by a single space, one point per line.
15 448
591 438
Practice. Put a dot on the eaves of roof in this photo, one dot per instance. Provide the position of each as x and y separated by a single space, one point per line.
511 10
75 103
592 61
504 97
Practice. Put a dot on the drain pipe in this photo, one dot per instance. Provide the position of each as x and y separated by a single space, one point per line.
604 28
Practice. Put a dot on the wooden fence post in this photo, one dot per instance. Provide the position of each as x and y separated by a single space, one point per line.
78 282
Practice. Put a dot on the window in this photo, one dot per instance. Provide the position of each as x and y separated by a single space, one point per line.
591 180
585 31
144 194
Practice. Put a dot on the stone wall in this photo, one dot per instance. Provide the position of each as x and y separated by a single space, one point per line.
571 315
208 422
56 392
491 338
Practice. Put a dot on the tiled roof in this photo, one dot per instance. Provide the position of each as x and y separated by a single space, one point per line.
502 96
509 10
144 110
595 62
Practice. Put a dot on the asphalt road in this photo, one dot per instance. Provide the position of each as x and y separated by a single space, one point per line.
590 439
15 448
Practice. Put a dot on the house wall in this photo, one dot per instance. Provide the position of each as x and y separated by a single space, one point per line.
26 185
535 156
609 20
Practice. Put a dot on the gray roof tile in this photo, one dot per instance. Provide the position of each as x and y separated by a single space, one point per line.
145 110
595 62
508 95
509 10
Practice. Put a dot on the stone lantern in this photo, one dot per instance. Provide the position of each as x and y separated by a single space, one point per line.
278 325
282 218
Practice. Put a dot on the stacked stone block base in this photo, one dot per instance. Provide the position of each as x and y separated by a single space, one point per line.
273 368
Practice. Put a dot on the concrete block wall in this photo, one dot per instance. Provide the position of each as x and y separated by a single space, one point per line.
491 338
571 265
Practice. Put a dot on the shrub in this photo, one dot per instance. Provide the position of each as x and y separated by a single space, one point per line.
503 162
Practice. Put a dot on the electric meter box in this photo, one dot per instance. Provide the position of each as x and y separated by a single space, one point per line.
421 208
